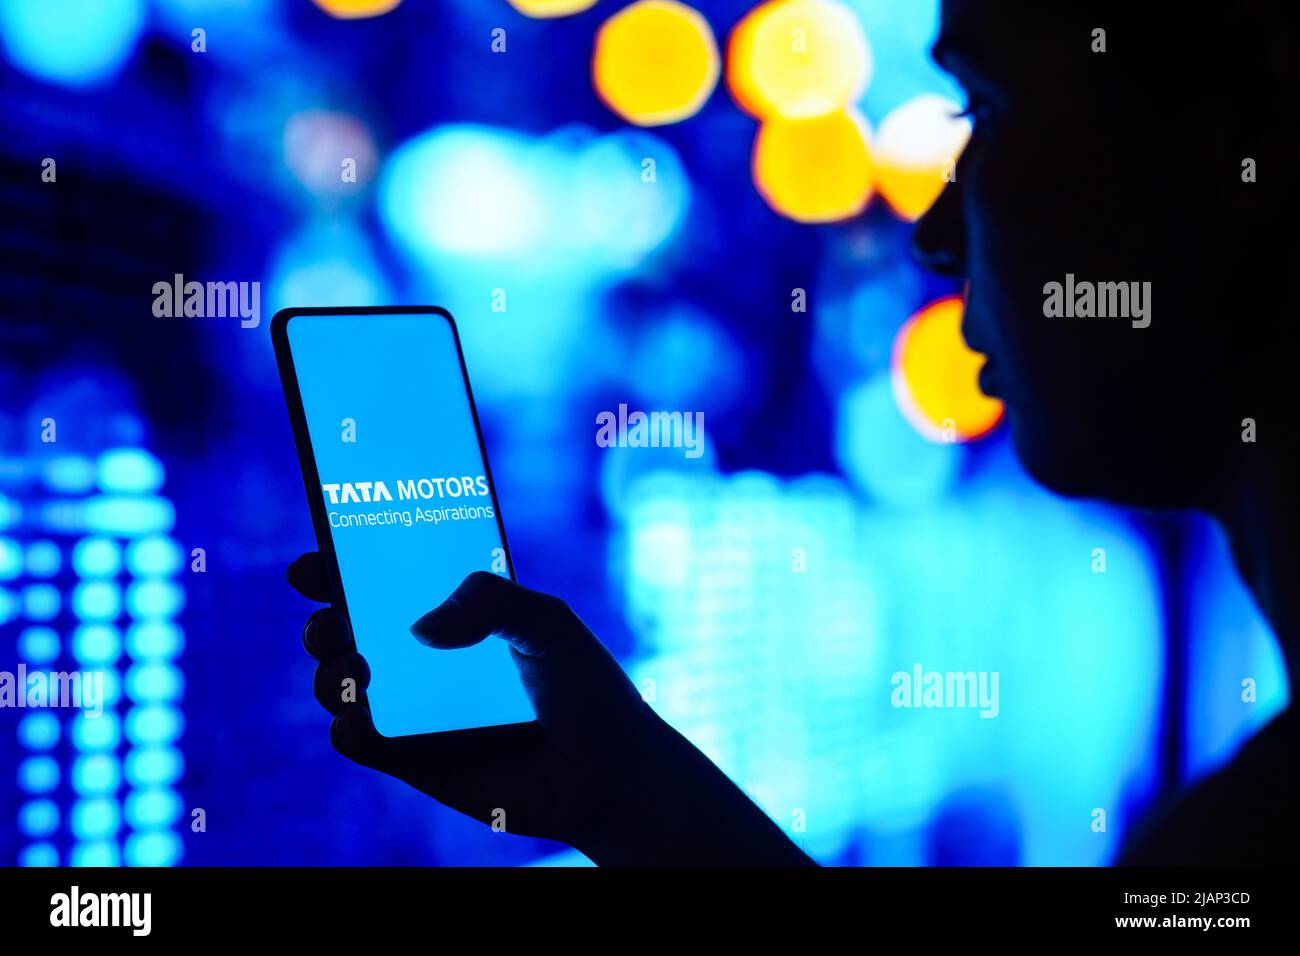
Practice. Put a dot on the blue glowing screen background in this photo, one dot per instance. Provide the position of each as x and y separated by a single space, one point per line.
762 594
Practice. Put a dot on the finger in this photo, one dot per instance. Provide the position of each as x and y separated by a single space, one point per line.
535 624
341 680
578 691
309 577
327 634
353 734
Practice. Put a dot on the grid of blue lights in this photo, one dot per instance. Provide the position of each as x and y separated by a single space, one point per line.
89 583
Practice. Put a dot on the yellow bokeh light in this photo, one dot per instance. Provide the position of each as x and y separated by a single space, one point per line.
935 376
544 9
655 62
356 9
797 59
814 170
916 150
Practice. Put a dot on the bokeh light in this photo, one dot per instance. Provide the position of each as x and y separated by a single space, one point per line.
316 144
655 62
936 376
687 359
129 471
356 9
901 66
797 59
545 9
72 42
43 559
327 262
462 190
39 645
885 457
814 170
11 559
97 557
621 213
915 152
39 854
571 204
154 556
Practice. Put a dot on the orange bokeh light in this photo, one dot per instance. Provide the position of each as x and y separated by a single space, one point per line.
814 170
655 62
547 9
935 376
356 9
797 59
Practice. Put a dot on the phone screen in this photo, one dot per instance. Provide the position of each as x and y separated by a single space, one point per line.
408 505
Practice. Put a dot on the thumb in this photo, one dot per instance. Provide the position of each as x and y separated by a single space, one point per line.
535 624
579 692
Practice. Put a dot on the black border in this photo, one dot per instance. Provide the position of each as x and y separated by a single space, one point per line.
302 437
381 909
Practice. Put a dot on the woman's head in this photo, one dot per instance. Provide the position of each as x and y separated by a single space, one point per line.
1107 173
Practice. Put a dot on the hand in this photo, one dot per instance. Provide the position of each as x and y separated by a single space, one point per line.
597 769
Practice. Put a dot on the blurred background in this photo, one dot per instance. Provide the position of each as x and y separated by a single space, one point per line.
695 208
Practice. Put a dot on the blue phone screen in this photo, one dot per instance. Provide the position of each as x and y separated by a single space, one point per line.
406 492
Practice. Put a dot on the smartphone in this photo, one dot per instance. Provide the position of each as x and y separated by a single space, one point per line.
402 501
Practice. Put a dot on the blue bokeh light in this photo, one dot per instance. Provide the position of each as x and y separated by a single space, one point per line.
151 809
95 734
97 853
884 455
38 775
11 559
128 517
43 559
154 767
154 598
97 645
38 731
96 774
155 639
73 42
97 600
39 854
154 724
39 645
158 848
154 682
154 556
129 471
71 474
97 558
38 818
41 602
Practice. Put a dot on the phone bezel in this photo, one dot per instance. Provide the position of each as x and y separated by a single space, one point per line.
302 437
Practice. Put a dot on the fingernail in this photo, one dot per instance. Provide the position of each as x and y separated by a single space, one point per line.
422 628
429 625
